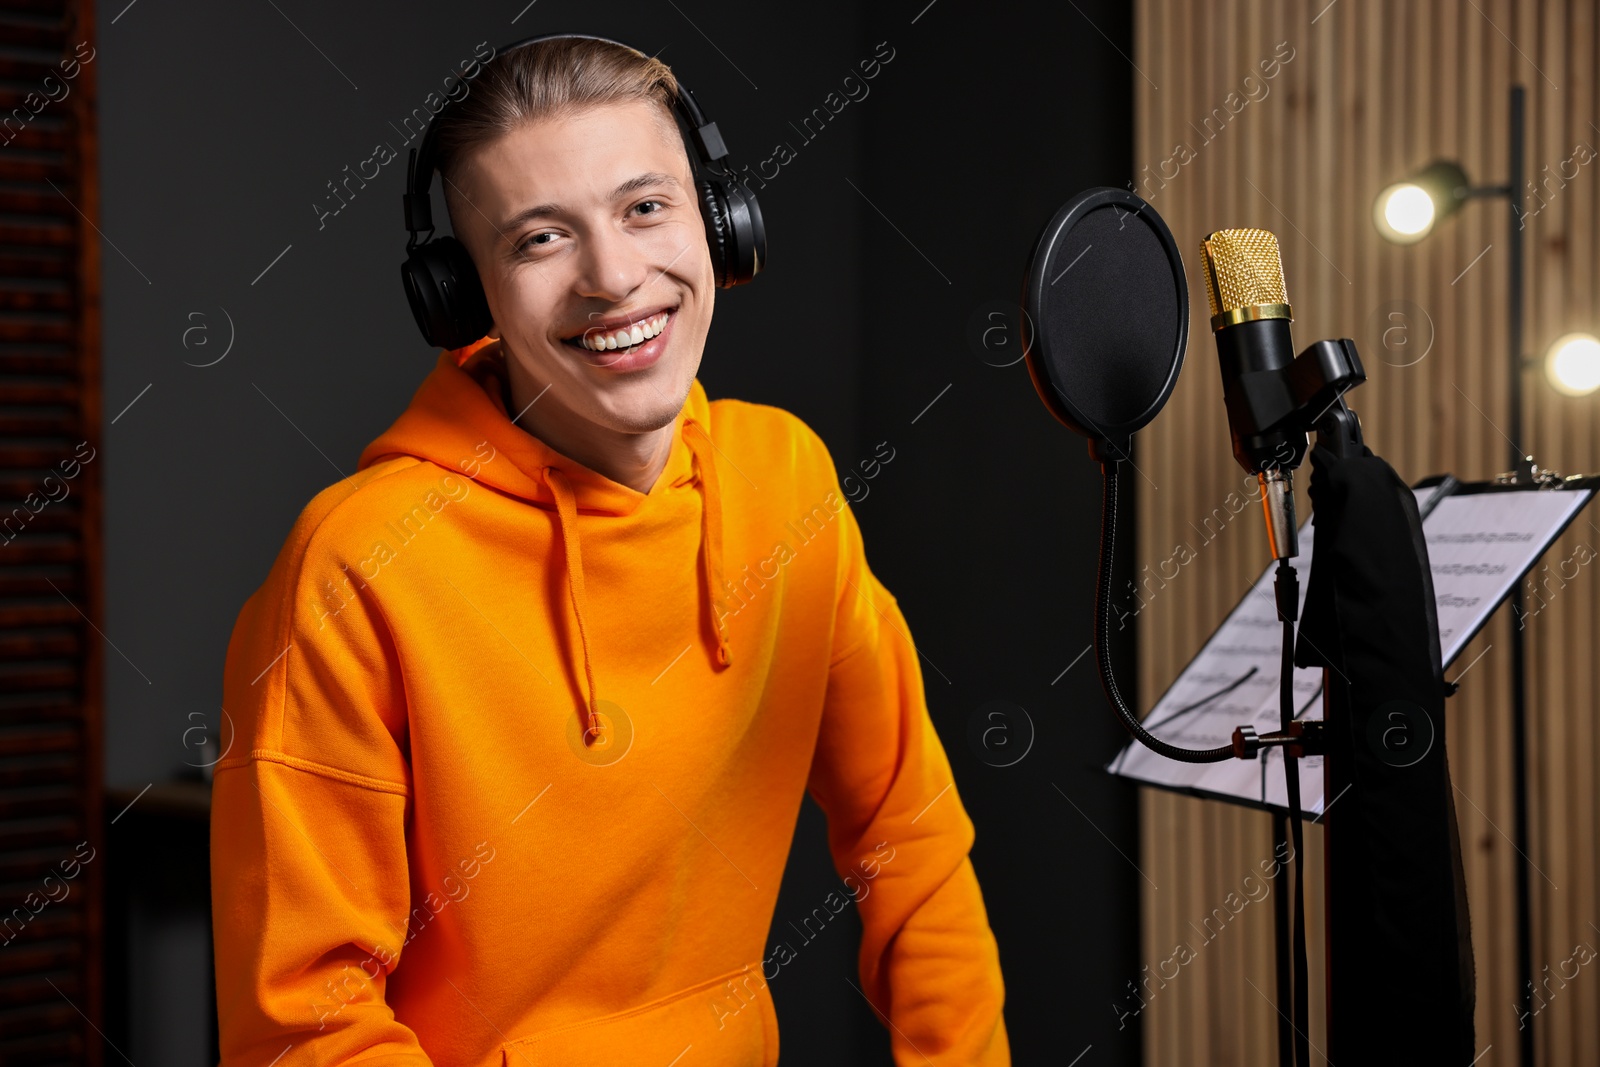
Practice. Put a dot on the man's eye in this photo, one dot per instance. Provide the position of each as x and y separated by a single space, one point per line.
649 203
536 240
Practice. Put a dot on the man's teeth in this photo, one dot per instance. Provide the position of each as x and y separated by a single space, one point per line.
638 333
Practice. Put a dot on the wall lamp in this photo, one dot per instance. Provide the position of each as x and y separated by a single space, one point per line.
1407 211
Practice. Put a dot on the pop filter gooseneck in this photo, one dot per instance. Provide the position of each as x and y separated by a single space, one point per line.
1105 324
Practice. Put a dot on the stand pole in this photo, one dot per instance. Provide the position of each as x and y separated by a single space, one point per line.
1280 922
1519 669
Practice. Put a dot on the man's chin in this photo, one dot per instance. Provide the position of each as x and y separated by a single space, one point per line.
633 423
643 407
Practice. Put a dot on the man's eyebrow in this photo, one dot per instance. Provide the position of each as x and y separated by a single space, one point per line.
632 185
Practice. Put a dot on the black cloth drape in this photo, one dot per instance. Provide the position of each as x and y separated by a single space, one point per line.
1400 962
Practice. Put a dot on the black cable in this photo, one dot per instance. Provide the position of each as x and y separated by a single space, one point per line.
1102 637
1280 941
1287 589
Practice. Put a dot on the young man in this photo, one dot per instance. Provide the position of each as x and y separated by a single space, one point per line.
527 706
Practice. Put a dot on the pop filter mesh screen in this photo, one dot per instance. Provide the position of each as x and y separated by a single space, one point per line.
1109 318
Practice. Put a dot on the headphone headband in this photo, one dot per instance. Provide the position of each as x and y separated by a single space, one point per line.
703 134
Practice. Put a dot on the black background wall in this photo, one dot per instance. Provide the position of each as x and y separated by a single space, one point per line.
895 230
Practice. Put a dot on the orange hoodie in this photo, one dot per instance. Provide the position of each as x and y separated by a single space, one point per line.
518 753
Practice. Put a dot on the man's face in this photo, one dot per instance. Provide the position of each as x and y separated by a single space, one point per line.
584 226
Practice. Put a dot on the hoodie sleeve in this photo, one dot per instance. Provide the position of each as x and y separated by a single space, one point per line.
309 876
929 963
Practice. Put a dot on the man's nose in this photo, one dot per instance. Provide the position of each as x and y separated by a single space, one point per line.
613 265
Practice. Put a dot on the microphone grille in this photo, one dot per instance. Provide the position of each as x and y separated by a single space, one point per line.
1243 269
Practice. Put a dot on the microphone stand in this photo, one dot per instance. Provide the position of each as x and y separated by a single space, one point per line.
1297 739
1283 403
1315 381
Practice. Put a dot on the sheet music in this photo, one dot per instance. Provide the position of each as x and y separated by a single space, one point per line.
1479 545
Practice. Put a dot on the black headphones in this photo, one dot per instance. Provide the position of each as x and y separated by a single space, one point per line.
442 284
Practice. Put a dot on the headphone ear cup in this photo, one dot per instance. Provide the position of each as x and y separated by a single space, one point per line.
715 211
749 233
734 230
445 294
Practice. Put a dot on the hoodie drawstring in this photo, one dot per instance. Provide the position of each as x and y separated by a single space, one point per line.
699 442
567 519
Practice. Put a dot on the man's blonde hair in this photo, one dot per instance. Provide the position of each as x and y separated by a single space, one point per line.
551 78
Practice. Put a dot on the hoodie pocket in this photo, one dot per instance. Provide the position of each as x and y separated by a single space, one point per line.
726 1021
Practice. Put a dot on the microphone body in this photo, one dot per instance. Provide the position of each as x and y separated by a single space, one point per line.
1250 318
1244 350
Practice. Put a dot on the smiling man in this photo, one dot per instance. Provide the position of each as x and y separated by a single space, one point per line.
514 781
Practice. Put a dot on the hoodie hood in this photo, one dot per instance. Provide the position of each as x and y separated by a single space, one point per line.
464 402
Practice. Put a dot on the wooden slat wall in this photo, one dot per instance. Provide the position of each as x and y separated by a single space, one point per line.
1373 92
51 653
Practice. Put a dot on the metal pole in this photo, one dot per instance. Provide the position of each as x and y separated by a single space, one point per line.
1519 666
1281 934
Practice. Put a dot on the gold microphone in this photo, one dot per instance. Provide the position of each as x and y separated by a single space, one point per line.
1250 318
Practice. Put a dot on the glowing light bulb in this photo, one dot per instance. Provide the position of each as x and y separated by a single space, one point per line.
1573 364
1405 212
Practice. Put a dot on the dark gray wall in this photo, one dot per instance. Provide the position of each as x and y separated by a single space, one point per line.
893 230
986 525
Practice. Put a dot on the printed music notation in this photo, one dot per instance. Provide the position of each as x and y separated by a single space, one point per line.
1479 546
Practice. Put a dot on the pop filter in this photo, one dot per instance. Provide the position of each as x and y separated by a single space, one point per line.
1106 317
1105 322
